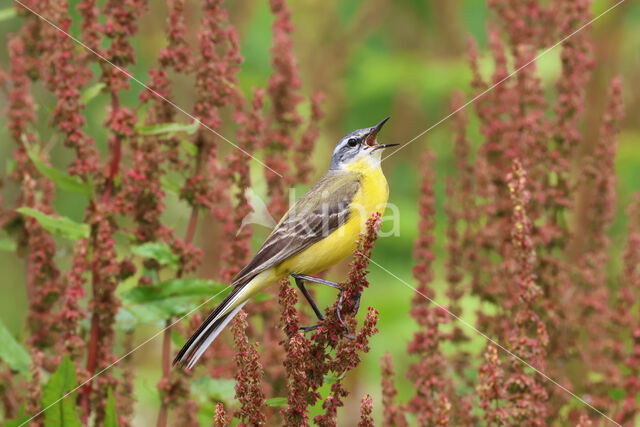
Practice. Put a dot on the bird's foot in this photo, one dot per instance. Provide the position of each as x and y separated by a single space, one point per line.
317 280
306 329
355 311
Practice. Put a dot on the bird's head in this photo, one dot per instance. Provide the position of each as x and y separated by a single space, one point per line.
359 145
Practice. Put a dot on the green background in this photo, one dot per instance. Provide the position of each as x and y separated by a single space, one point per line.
372 59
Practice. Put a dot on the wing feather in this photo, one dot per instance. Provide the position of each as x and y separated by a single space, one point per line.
318 213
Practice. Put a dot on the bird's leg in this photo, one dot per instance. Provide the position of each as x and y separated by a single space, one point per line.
299 278
339 308
317 280
307 295
357 306
339 314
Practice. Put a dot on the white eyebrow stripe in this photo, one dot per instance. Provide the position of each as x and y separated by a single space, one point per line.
341 145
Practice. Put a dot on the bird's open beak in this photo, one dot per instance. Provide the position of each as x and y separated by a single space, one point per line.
371 138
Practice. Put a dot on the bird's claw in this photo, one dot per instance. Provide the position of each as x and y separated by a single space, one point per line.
309 328
339 308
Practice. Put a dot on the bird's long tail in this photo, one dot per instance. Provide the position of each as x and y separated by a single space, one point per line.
207 332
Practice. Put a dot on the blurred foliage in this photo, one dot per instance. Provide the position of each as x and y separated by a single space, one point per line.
373 59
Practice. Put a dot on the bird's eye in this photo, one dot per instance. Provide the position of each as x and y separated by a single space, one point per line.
352 142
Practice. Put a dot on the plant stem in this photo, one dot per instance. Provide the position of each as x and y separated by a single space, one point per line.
191 229
92 357
163 413
92 354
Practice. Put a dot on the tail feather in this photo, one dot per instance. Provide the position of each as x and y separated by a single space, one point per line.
213 333
207 332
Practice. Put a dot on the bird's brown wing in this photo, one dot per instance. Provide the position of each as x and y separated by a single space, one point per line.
318 213
322 210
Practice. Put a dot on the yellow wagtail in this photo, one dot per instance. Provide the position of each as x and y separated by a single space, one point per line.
320 230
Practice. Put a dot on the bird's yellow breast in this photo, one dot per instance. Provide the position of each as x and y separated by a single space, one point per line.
371 197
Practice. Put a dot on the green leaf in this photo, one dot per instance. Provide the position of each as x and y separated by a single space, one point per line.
125 320
159 251
60 226
159 311
189 147
208 388
61 179
277 401
155 303
328 379
169 128
91 92
170 289
177 339
618 394
60 408
6 244
11 352
110 417
7 13
170 185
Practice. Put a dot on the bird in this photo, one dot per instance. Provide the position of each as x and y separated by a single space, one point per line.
317 232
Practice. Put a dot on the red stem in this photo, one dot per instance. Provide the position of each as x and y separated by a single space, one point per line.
163 413
92 357
166 350
113 170
191 229
116 154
